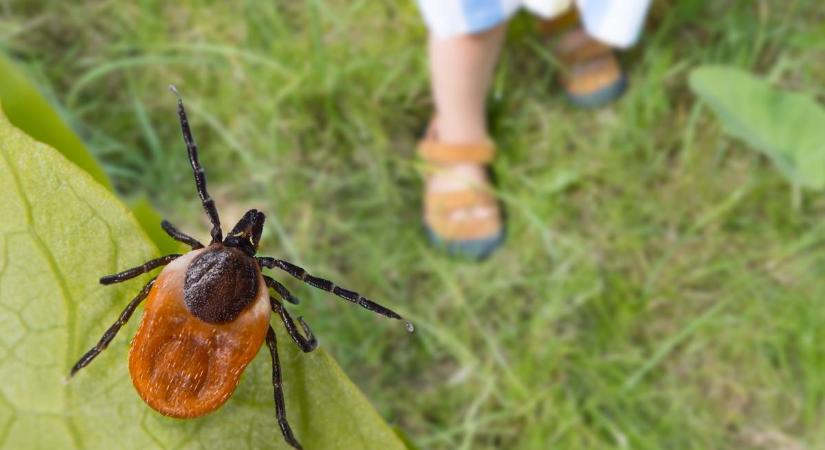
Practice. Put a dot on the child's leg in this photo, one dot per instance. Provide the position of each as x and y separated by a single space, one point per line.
461 71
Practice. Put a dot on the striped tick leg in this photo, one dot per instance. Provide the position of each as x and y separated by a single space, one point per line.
197 170
180 236
329 286
128 274
112 331
306 344
280 407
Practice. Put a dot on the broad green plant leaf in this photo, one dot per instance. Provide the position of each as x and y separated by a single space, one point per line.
60 231
787 127
29 111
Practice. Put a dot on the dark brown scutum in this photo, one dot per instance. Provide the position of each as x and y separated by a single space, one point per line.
220 283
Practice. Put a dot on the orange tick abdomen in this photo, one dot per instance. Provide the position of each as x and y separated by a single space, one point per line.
182 366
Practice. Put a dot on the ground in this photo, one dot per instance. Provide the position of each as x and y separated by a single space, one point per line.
659 288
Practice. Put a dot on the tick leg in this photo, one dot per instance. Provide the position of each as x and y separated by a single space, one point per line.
139 270
281 290
329 286
306 344
200 176
179 235
112 331
280 408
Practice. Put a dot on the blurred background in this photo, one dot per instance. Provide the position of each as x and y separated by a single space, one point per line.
661 285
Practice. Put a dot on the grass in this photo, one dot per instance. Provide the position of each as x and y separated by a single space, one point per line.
659 288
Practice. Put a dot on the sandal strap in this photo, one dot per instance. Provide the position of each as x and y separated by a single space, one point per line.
594 75
578 47
442 203
439 206
469 229
433 151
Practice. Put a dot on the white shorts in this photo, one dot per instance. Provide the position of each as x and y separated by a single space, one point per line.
615 22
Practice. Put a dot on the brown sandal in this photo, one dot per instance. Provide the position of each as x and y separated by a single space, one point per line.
592 75
467 236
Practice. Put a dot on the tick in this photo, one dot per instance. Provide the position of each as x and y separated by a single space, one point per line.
207 313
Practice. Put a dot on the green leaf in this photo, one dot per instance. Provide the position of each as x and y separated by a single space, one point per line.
150 220
29 111
60 232
787 127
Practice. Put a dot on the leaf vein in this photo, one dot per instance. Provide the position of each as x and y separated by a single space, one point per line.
55 268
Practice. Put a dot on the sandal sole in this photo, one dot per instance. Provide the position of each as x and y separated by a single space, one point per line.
471 248
599 97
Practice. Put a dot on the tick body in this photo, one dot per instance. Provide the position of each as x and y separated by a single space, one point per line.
184 366
207 314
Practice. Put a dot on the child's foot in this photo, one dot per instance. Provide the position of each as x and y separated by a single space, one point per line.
591 74
461 213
